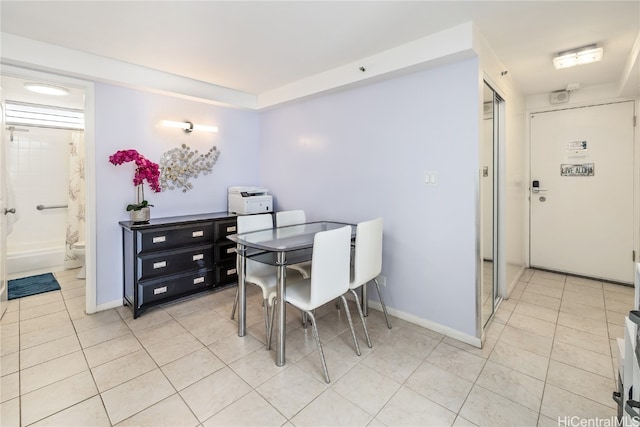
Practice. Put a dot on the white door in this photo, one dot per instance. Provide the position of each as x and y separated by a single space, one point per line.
4 211
582 210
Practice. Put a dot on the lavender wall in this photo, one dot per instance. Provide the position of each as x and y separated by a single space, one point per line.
129 119
363 153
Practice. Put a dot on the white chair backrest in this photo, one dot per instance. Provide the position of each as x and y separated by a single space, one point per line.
330 265
284 218
368 255
247 224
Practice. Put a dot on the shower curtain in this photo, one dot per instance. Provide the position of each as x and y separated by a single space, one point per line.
76 202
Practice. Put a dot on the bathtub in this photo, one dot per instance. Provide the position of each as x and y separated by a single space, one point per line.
30 259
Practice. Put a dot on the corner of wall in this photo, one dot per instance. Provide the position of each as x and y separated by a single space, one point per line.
630 79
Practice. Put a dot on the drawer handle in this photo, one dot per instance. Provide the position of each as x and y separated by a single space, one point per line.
159 239
198 257
198 280
231 250
161 290
231 229
198 233
230 272
160 264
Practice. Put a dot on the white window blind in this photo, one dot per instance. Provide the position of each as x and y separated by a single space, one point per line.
22 113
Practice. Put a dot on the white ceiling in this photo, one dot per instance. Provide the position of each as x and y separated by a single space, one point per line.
259 46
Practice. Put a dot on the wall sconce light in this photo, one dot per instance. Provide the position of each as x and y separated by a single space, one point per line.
579 56
189 127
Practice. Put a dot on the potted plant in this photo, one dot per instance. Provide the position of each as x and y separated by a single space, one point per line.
145 170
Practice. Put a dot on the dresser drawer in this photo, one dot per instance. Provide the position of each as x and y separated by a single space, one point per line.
226 274
225 228
171 262
159 239
225 251
168 287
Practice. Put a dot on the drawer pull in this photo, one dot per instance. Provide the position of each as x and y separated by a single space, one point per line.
230 272
198 280
159 239
160 264
231 229
161 290
198 257
198 233
231 250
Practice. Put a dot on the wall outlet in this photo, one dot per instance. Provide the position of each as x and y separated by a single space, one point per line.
382 280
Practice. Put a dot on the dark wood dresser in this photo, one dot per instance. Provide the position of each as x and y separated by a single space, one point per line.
168 258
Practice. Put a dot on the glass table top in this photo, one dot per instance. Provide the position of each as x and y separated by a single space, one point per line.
285 239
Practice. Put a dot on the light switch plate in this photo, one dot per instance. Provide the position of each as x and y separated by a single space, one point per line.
430 178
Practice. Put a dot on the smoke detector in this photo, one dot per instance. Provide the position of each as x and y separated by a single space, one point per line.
559 97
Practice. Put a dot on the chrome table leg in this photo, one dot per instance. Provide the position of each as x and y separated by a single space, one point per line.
282 309
242 291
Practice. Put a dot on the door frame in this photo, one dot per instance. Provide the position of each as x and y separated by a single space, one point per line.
636 165
90 169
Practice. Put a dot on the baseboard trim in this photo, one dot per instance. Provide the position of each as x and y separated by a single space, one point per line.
436 327
109 305
511 286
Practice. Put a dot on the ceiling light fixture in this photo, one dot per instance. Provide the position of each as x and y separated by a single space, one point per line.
46 89
189 127
579 56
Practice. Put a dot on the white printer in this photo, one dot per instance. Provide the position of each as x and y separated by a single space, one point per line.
249 200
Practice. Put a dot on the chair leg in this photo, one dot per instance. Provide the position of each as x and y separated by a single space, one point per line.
364 324
384 307
317 337
353 332
235 304
304 319
270 328
265 310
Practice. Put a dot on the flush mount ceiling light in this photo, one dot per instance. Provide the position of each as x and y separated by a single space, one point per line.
189 126
579 56
46 89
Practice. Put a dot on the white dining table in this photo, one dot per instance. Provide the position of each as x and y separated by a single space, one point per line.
279 246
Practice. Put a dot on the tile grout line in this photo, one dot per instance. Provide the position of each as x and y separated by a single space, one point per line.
553 341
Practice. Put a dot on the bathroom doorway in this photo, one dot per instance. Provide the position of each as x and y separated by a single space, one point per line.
40 236
45 152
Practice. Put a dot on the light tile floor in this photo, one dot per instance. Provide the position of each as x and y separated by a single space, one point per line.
550 352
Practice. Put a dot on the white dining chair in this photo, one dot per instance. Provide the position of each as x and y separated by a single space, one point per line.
367 264
262 275
329 280
294 217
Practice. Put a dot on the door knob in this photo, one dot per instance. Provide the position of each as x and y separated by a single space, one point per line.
10 211
535 186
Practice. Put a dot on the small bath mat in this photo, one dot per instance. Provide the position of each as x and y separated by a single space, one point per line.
32 285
